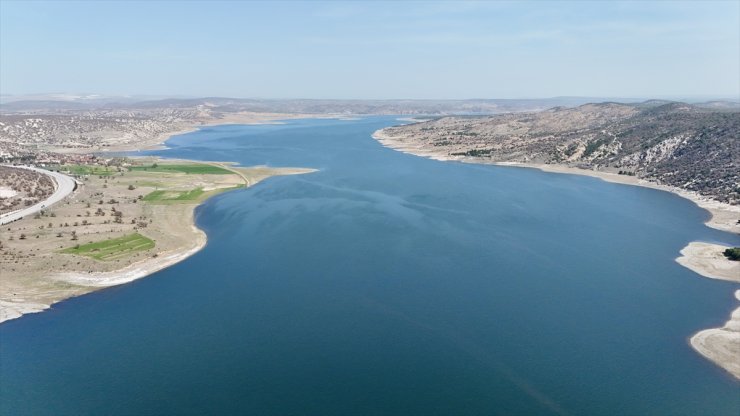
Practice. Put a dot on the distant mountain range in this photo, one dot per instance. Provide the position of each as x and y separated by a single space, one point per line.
62 103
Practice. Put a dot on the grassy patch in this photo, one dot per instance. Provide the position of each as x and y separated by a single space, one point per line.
88 170
184 197
114 248
200 169
191 195
148 184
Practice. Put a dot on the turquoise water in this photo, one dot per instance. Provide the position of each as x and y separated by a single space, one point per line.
391 284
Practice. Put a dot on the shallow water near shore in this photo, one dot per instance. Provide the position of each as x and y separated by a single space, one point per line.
386 283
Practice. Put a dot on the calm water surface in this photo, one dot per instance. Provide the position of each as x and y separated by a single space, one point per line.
391 284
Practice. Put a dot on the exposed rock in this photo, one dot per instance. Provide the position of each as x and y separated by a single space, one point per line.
676 144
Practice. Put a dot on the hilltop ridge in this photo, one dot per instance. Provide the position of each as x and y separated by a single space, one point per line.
691 147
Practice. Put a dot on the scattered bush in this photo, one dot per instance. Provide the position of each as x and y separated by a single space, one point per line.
732 253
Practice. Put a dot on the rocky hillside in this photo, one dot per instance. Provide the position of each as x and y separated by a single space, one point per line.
691 147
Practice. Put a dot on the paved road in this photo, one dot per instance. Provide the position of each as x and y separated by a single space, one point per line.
65 186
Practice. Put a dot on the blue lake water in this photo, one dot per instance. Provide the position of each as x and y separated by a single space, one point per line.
386 283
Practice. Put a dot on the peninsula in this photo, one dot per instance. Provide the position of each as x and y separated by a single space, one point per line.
127 218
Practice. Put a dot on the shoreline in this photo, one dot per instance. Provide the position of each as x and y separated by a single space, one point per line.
91 282
719 345
707 260
157 142
196 240
139 269
723 216
95 281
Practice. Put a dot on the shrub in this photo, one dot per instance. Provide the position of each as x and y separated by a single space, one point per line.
732 253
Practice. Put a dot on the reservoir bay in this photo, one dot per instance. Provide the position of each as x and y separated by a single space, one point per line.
386 283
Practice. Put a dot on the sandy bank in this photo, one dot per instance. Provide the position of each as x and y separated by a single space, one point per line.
722 345
707 260
19 307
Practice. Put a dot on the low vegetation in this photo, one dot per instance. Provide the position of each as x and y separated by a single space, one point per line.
199 169
159 196
732 253
114 248
88 170
22 187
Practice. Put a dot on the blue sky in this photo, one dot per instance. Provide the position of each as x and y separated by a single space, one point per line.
372 49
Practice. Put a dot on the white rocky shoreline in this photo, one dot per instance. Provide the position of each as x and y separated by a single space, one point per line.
719 345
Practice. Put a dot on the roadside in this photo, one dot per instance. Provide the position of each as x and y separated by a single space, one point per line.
64 185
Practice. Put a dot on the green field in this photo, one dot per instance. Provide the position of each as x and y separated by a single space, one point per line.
184 197
112 249
200 169
156 196
88 170
148 184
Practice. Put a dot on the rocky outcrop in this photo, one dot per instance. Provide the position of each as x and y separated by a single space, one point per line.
676 144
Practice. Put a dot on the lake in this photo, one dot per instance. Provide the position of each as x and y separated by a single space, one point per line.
387 283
